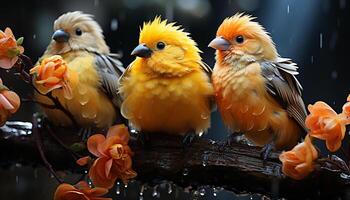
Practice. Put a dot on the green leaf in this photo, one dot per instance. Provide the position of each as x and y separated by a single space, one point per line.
78 147
20 41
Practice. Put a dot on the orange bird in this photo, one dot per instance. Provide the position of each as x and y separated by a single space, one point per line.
256 90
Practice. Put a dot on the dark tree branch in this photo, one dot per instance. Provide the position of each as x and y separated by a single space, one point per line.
237 167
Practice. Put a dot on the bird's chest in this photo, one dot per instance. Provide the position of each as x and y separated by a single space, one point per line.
238 84
241 97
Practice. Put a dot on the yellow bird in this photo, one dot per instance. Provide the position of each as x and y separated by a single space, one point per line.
256 90
167 88
95 100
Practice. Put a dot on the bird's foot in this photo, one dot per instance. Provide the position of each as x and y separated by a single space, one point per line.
266 151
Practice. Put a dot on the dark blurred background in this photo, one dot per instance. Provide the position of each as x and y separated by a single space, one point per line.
314 33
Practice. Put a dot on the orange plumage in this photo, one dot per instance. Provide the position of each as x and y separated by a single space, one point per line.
256 91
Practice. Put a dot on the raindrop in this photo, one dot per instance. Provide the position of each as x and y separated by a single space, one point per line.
334 74
17 180
117 190
89 182
288 9
96 3
251 197
202 191
205 159
34 36
215 192
321 40
114 24
143 188
170 188
312 59
85 172
185 172
125 188
155 192
35 173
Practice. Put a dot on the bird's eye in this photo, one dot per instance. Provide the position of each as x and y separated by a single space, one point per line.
160 45
78 31
239 39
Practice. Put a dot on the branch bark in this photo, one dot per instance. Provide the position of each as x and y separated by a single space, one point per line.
237 167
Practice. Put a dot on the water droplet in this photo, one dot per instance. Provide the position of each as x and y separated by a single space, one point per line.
334 74
185 172
205 159
288 9
312 59
170 188
142 190
34 36
321 40
202 191
17 180
215 192
114 24
89 182
117 189
205 115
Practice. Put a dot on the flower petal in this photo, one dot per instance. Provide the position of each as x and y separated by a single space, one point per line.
93 142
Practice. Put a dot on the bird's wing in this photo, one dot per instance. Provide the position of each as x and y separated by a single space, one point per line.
110 69
282 84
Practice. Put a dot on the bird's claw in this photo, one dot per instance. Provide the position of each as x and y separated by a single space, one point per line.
266 151
188 139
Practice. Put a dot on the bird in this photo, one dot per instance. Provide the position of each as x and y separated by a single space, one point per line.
256 90
95 101
167 88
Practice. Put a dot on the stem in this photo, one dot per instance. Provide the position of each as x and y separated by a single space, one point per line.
39 145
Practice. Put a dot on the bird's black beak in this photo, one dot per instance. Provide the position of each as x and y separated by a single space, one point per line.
220 43
60 36
142 51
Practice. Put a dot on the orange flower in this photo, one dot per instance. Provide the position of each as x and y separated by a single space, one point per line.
9 49
346 110
299 162
81 191
114 157
53 73
325 124
9 103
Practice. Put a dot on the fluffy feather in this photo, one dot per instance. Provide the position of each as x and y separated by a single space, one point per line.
170 91
257 92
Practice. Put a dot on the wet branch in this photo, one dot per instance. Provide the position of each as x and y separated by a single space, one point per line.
237 167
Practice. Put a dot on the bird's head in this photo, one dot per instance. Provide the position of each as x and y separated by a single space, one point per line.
166 49
77 31
240 37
